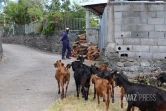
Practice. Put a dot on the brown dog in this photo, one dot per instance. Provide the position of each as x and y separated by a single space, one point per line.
162 107
102 67
62 76
103 89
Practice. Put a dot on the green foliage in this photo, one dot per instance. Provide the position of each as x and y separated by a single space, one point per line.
39 27
52 22
51 11
94 22
54 6
78 11
17 12
1 18
21 12
147 80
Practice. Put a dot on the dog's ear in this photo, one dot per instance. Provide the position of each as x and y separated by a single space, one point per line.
59 60
55 65
68 66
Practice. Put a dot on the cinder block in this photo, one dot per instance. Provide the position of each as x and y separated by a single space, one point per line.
131 41
147 14
159 55
118 21
118 15
136 34
122 34
119 41
160 27
156 35
165 35
165 21
161 14
161 42
136 7
146 27
130 14
156 7
117 28
129 54
134 20
162 49
149 42
129 28
143 55
123 48
141 48
154 48
120 7
156 21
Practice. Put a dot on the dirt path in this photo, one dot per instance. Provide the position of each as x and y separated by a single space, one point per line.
27 79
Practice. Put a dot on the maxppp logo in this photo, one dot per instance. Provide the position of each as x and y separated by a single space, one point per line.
140 97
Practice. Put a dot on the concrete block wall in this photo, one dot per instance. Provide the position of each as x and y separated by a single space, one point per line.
92 35
140 29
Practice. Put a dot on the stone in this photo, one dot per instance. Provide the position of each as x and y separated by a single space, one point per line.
136 63
127 64
145 63
134 68
130 59
122 60
120 64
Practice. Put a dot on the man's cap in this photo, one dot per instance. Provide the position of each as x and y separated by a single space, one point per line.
67 28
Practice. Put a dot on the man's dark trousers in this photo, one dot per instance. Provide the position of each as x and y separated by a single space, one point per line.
66 45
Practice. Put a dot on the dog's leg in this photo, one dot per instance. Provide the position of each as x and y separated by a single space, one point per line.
98 98
62 85
121 96
66 87
112 92
77 89
94 92
104 97
59 88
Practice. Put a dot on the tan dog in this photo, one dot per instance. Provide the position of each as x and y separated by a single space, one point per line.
103 89
102 67
62 76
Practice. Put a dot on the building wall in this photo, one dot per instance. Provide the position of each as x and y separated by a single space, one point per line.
92 35
139 29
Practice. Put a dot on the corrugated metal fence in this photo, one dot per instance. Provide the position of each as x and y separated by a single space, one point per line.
103 30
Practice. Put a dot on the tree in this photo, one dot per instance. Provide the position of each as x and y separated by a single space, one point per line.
77 11
54 5
25 11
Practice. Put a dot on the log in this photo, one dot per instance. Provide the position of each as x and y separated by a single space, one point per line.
82 41
82 38
81 47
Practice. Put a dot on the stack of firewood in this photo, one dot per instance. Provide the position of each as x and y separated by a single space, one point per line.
82 38
93 52
81 47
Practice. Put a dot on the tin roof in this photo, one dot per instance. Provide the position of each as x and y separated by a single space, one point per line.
96 7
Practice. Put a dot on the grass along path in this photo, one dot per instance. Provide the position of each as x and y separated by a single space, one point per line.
72 103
